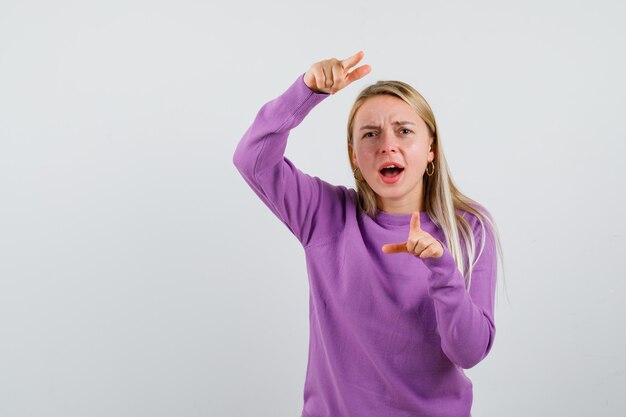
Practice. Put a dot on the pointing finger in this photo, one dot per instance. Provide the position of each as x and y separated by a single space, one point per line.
358 73
415 222
394 248
352 61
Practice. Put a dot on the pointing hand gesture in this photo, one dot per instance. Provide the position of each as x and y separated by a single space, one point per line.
331 75
419 243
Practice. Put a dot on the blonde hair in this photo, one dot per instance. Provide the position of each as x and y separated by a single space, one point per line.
443 201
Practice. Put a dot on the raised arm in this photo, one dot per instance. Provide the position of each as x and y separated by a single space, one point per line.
294 197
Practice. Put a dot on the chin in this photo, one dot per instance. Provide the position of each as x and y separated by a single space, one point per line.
388 195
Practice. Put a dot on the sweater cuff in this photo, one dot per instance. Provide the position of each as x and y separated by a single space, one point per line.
444 272
287 110
312 98
442 264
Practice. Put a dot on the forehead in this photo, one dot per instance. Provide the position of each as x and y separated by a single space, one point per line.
385 108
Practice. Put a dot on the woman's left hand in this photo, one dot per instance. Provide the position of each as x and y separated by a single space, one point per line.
419 243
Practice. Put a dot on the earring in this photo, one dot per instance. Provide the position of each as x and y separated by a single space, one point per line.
430 173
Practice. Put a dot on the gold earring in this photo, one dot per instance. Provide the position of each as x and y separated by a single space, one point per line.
430 173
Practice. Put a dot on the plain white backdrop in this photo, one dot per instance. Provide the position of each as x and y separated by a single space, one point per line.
140 276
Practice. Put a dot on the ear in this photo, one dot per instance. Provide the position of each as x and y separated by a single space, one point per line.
431 152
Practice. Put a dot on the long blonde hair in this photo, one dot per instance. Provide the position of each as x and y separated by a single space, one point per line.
443 201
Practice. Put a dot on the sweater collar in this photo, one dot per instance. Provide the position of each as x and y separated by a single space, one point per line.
399 220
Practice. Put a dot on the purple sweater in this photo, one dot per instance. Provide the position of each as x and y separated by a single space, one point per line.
390 334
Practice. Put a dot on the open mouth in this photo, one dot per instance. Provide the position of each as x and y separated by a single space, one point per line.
391 171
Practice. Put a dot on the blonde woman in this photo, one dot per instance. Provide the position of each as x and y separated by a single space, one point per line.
402 270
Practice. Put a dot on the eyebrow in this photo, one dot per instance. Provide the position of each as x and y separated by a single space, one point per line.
398 123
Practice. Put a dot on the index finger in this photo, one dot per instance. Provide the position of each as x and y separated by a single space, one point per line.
352 61
415 221
358 73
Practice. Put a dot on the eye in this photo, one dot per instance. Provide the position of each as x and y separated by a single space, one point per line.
370 134
405 131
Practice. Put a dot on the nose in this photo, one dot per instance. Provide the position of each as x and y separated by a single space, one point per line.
388 144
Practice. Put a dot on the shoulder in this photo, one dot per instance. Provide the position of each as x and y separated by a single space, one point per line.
343 193
328 213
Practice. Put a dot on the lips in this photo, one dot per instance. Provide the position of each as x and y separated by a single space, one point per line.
390 172
390 163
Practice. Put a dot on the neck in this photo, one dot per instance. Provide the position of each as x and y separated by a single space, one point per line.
401 206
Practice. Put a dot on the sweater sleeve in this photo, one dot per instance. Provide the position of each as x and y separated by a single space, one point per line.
465 319
296 198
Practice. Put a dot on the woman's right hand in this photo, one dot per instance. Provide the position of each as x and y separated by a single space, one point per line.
331 75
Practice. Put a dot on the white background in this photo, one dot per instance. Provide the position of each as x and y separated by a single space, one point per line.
140 276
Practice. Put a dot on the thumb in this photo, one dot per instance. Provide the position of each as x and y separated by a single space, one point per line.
394 248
